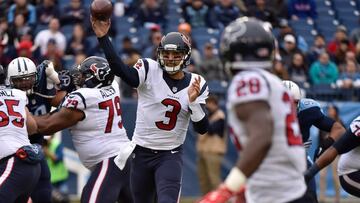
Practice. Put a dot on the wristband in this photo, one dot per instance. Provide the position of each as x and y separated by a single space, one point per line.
235 180
197 112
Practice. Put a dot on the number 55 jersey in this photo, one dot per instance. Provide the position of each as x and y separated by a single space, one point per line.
279 177
13 132
166 103
100 134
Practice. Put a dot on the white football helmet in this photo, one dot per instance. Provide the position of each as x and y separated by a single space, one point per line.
294 89
22 74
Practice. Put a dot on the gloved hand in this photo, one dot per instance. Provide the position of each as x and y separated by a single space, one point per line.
66 81
221 195
311 172
47 77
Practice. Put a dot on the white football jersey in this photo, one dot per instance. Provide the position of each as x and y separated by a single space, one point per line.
163 111
350 161
279 177
13 131
101 133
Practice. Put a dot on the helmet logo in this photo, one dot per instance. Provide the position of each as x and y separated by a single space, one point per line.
100 72
186 40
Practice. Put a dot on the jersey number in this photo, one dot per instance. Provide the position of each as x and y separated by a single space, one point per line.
112 105
245 87
5 120
172 115
293 136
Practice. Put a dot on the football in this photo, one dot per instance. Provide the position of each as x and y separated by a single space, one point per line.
101 9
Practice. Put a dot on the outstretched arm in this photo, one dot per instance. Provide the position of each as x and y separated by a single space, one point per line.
346 143
66 117
129 75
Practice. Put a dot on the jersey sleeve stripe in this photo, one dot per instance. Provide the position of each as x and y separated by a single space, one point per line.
203 88
146 65
81 96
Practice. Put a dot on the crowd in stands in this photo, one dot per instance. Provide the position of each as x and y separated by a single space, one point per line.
59 31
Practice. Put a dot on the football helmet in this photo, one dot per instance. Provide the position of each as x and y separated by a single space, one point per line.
22 74
173 53
293 88
95 73
247 43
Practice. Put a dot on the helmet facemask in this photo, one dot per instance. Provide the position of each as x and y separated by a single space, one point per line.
24 82
172 60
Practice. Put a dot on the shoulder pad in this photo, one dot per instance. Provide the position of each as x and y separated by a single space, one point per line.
307 103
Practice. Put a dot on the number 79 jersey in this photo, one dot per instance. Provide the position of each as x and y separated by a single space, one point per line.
283 166
100 134
163 112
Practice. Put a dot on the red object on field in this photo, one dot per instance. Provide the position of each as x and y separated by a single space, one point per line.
101 9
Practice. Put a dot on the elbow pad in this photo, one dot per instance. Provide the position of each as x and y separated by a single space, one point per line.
197 113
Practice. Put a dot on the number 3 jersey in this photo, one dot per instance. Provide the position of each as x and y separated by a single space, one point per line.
163 112
100 134
13 131
279 178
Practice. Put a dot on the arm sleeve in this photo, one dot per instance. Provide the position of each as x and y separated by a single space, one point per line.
202 125
325 123
129 75
317 118
347 142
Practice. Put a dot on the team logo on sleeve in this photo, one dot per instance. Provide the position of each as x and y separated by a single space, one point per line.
138 64
100 72
355 127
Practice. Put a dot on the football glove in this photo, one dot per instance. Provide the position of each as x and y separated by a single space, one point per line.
221 195
47 77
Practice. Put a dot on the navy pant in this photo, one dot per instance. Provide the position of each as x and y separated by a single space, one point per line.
157 171
106 182
17 179
42 191
351 183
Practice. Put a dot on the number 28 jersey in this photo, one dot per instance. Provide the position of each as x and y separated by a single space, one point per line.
100 134
13 131
279 177
163 112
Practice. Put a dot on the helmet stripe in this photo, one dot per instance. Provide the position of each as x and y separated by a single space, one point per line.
26 69
19 67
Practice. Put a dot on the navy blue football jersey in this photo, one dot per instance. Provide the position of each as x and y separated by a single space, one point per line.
309 114
39 101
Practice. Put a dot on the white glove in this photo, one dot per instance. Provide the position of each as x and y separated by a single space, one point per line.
51 76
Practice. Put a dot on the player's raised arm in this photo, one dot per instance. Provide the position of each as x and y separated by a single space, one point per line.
129 75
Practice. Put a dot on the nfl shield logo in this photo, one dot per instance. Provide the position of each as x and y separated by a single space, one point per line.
174 89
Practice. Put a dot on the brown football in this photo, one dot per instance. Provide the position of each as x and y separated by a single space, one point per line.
101 9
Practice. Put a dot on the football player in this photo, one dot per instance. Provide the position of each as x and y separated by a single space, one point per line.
168 99
263 122
39 84
310 114
93 115
19 161
348 146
